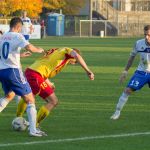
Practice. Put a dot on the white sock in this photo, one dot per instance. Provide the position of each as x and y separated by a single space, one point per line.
3 103
31 112
122 100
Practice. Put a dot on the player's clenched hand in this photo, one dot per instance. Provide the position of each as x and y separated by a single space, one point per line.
123 76
90 75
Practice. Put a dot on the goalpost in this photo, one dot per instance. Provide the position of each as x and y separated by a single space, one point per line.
102 28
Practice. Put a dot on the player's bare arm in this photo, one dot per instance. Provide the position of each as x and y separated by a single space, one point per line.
83 64
34 49
125 72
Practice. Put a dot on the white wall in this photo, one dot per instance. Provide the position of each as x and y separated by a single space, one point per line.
35 35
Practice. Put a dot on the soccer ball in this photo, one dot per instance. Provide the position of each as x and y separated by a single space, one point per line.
19 124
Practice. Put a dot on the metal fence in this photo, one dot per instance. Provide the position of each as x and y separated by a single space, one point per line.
125 25
128 26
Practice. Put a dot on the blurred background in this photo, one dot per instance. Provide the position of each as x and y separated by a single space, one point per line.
80 17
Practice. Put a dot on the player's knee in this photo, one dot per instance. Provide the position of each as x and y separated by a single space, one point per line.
29 98
54 99
54 102
10 96
128 91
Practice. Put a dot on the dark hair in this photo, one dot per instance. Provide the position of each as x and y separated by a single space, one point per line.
14 21
147 27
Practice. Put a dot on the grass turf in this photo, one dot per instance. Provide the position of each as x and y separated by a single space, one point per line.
85 106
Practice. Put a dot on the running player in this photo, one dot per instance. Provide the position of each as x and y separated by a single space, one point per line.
47 67
11 76
141 75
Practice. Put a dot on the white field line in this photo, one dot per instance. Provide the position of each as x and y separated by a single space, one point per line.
75 139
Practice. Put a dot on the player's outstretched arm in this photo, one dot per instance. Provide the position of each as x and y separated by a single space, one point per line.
83 64
125 72
34 49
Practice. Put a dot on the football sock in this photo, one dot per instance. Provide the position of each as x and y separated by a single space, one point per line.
122 100
3 103
42 114
22 105
31 112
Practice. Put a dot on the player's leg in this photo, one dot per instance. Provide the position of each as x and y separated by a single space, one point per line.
51 102
32 114
6 86
121 102
44 110
5 100
21 108
47 93
30 109
138 80
32 78
22 88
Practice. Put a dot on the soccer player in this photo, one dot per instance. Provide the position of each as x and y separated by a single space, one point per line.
11 76
47 67
27 27
141 75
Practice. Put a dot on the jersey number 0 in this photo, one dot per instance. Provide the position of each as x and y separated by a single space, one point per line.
5 50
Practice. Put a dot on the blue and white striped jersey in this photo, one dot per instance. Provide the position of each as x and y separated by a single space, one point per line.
10 46
143 49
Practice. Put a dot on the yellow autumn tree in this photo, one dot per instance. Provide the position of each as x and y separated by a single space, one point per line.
53 4
33 7
7 7
70 7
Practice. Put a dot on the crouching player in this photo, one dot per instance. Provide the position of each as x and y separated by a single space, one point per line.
47 67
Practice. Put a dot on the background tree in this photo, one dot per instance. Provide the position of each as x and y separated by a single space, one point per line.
72 7
34 7
53 4
9 7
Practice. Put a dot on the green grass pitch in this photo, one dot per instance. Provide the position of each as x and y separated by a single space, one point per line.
81 121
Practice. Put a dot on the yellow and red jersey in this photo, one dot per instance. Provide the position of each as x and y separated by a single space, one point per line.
51 64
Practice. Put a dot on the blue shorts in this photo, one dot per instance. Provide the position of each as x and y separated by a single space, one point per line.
138 80
12 79
26 37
